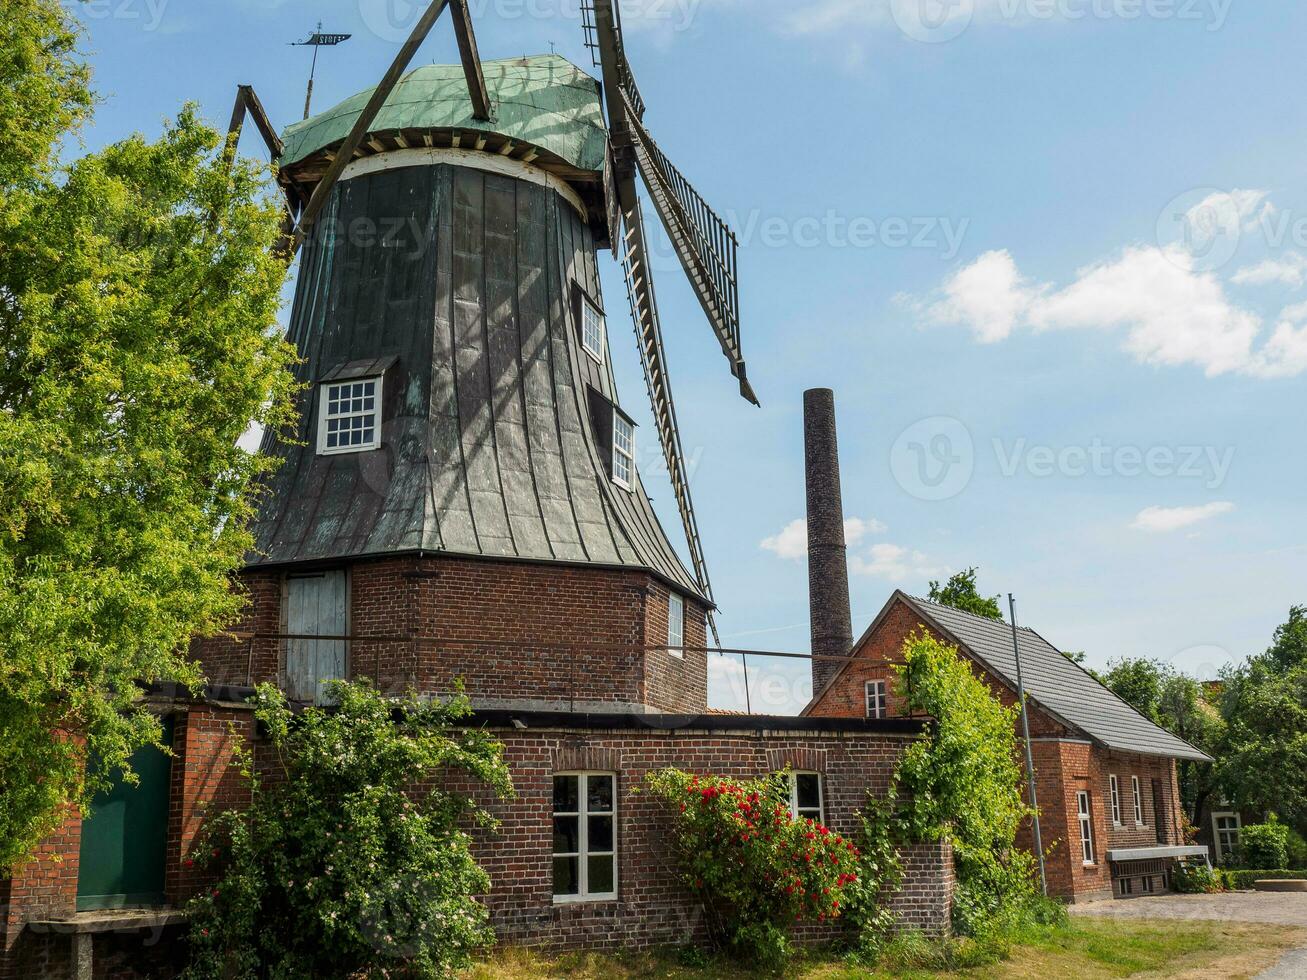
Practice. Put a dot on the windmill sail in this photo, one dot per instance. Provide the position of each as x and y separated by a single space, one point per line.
649 337
704 243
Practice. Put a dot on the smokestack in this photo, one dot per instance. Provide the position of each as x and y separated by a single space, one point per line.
828 573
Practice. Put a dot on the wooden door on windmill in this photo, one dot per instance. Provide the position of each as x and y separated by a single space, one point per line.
316 605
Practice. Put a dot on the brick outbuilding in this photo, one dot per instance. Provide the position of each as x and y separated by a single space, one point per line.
1105 776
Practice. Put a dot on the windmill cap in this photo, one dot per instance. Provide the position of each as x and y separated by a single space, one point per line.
543 101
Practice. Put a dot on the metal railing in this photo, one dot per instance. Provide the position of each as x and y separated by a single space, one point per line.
397 662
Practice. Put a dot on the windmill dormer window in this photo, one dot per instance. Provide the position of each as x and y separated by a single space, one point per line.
350 417
592 330
623 450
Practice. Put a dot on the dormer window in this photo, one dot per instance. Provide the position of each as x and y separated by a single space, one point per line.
623 450
350 419
593 330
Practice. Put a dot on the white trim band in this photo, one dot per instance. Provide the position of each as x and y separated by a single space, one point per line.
430 156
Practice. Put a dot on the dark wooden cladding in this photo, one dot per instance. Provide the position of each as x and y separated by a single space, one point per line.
488 447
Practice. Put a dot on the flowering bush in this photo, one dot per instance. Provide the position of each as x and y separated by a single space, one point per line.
756 869
338 868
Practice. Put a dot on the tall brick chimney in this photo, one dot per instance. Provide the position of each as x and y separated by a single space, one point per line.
828 572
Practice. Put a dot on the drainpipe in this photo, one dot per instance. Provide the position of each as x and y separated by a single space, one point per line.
1030 761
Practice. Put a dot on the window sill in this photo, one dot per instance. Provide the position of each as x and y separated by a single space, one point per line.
584 899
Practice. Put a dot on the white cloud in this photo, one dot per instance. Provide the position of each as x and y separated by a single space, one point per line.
892 561
792 540
989 296
1290 270
1158 520
1171 312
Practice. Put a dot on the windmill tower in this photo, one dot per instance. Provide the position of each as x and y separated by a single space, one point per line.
459 402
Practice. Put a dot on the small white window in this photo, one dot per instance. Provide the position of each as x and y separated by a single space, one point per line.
592 330
875 699
675 624
1116 801
1139 801
585 836
349 417
806 793
1226 828
1086 828
623 450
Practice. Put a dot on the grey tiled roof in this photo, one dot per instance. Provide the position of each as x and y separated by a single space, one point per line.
1056 683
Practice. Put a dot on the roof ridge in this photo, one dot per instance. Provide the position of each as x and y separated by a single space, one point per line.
967 612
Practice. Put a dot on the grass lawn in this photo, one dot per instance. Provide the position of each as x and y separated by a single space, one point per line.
1087 948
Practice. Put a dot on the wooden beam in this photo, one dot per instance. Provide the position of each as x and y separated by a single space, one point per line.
351 145
262 122
467 51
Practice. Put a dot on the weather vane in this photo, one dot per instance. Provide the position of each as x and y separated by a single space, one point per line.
318 40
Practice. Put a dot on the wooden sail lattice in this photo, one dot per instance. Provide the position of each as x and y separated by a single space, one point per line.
705 244
634 257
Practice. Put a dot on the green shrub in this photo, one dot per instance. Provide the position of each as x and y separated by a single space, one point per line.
339 868
1297 851
1241 879
757 869
1264 845
1195 879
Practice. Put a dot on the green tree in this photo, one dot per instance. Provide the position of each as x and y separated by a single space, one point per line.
960 592
138 341
1176 702
342 867
1263 762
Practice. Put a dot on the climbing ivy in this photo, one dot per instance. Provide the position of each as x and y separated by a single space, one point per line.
961 783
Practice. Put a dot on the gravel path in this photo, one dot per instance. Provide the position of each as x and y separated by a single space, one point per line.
1271 908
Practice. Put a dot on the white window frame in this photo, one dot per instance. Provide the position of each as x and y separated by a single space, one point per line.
676 618
821 795
1217 832
582 813
877 699
624 455
324 416
1116 800
592 315
1139 802
1086 817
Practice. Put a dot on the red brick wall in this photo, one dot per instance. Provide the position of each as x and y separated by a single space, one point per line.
509 630
204 781
43 888
652 907
671 683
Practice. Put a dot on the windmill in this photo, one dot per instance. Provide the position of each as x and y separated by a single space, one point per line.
593 167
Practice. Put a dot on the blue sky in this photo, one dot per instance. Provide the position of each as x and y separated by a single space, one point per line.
1050 254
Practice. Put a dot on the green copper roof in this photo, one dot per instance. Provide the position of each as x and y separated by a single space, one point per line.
543 100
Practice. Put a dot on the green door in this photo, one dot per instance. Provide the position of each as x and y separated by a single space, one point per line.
125 839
